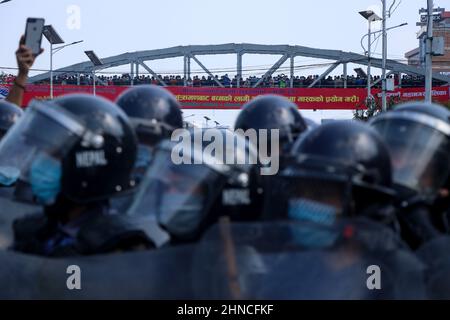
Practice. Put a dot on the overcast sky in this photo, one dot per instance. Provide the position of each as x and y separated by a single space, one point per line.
113 27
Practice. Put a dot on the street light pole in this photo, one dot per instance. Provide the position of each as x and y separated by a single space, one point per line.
371 17
94 89
383 77
428 56
51 71
52 52
369 48
53 38
97 63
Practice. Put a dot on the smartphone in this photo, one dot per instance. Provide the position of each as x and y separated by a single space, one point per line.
33 34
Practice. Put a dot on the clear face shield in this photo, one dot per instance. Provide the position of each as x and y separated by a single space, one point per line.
420 152
34 148
176 195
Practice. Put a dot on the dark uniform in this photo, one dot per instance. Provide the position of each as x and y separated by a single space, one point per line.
73 154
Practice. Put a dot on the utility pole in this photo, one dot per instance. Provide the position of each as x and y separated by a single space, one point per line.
369 62
428 53
371 17
383 76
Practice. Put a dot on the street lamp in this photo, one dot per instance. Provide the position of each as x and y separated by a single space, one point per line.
370 16
429 49
384 57
67 45
96 61
189 116
207 119
53 37
4 1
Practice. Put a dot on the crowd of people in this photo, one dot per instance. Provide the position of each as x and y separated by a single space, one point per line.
277 81
345 193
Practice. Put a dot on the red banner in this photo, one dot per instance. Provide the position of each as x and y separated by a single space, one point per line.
231 98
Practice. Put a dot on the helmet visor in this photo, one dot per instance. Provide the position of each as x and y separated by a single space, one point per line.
419 154
150 132
41 130
177 195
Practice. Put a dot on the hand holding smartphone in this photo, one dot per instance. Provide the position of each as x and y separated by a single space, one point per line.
33 34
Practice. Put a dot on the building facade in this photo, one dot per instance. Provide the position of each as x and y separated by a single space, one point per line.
441 29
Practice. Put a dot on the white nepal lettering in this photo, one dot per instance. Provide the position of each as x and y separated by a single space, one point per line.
88 159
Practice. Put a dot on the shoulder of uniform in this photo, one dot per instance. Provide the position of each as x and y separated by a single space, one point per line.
30 224
27 231
109 233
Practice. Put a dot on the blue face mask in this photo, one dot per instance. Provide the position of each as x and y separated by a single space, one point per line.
45 179
180 216
144 157
320 215
313 238
8 176
312 211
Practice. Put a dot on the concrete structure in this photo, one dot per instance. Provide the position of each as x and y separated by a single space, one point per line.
441 28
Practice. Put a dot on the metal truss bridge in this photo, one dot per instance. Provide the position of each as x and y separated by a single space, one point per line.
137 60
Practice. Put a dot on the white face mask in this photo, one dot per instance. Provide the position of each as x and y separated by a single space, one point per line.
180 214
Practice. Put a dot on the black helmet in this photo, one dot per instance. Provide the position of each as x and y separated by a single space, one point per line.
9 114
272 112
311 123
339 167
154 112
78 146
430 109
188 187
418 137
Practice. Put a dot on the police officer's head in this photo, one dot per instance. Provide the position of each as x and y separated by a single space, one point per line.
9 114
273 112
341 168
311 124
418 137
154 113
191 184
79 147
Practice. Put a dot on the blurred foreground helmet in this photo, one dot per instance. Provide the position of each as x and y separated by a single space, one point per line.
311 123
418 137
272 112
9 114
340 168
153 111
188 186
79 146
